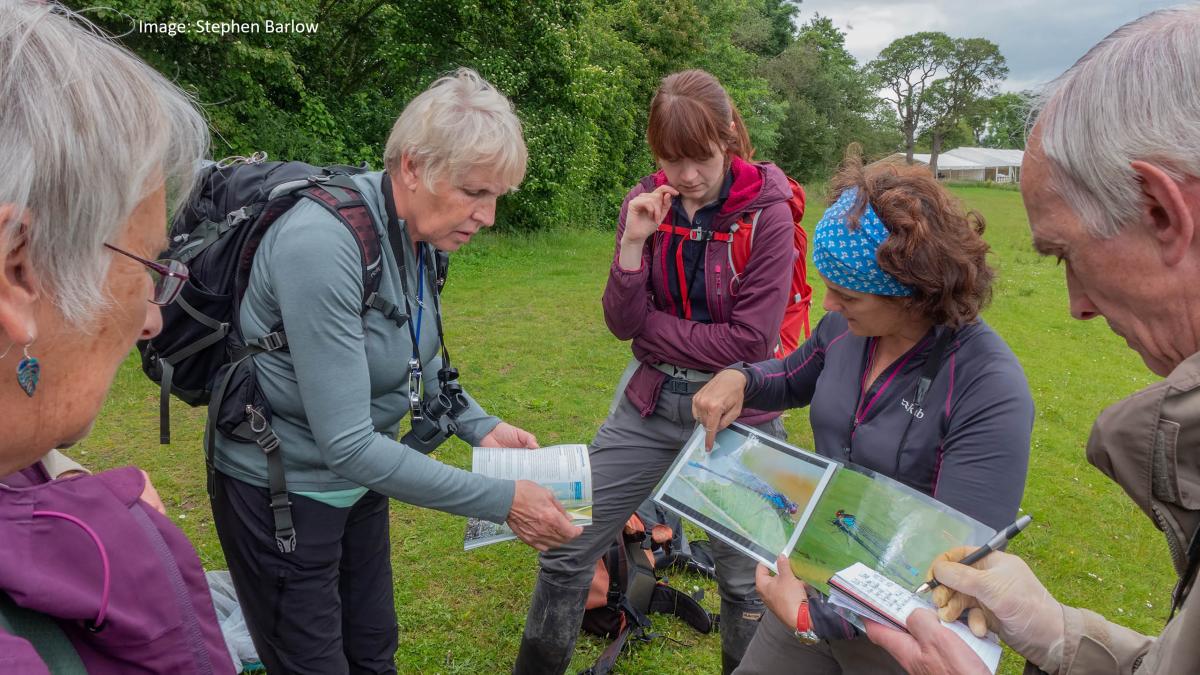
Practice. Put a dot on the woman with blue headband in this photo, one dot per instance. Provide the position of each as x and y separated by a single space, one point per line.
901 376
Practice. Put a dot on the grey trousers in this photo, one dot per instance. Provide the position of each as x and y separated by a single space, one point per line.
776 651
629 455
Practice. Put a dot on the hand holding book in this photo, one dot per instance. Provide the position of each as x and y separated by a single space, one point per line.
552 500
927 647
868 594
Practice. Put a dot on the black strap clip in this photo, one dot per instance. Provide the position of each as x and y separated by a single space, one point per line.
681 386
273 341
268 441
390 310
285 540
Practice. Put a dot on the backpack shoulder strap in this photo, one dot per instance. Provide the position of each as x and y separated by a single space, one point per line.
742 241
668 600
352 211
43 632
640 580
343 199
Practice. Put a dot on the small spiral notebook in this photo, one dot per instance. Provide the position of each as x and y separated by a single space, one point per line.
863 592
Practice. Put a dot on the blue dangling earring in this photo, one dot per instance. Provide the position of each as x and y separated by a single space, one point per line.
28 372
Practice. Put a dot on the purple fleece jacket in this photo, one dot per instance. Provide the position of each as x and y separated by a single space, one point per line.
746 312
158 615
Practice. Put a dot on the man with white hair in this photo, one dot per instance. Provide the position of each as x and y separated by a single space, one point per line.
1111 183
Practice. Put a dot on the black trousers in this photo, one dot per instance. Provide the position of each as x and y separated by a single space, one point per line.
326 608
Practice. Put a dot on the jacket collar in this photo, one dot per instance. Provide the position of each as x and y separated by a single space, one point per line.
754 186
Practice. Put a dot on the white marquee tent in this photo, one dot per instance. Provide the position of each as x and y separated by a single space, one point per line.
974 164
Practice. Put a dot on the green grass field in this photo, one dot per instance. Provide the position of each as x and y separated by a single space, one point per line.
525 327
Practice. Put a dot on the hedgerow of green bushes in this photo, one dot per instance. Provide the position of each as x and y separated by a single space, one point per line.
580 72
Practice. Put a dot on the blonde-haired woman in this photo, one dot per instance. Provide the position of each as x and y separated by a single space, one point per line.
341 388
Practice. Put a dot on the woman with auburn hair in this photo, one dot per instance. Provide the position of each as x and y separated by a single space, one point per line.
901 376
671 291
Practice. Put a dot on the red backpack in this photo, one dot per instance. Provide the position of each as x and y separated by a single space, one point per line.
741 241
625 591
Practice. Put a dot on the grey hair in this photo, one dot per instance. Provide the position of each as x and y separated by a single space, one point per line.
87 131
1134 96
460 122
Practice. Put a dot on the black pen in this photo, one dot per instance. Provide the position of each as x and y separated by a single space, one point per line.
975 556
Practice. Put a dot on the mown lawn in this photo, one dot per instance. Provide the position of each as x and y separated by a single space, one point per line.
525 326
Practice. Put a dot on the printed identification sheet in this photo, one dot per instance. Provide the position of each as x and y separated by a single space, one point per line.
562 469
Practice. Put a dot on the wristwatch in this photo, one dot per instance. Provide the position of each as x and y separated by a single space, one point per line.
804 631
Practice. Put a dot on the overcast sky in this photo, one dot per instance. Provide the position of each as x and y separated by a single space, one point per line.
1039 38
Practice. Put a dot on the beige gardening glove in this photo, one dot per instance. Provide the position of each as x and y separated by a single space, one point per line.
1003 594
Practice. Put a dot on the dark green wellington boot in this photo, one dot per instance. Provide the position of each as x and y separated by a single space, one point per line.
551 627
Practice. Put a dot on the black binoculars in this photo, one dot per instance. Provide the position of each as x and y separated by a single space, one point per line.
428 429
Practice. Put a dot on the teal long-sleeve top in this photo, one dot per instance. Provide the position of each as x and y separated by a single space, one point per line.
340 390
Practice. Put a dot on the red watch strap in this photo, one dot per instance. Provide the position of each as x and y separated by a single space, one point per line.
803 620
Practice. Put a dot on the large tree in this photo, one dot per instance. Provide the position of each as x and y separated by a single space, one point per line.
830 101
905 69
974 67
780 16
1001 121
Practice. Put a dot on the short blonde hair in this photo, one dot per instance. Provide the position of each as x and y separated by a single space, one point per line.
460 122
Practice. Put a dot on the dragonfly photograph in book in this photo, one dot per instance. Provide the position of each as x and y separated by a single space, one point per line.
873 543
869 518
754 491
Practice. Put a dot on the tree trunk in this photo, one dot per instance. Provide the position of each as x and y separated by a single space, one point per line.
935 149
909 143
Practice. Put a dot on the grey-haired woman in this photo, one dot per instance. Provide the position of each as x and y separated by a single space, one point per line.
340 390
92 577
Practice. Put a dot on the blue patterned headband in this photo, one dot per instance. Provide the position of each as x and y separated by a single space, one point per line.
847 257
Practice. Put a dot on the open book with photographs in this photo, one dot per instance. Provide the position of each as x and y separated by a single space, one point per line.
767 497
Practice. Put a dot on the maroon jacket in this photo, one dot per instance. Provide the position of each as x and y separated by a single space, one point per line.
62 538
746 316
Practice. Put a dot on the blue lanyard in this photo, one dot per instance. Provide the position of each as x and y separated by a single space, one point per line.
416 337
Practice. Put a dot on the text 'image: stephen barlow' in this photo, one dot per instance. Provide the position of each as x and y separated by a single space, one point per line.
173 28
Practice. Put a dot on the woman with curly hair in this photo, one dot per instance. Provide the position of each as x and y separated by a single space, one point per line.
901 376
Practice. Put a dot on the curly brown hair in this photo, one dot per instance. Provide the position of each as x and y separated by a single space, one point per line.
935 246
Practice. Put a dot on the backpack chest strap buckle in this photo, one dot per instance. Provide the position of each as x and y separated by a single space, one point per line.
695 233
